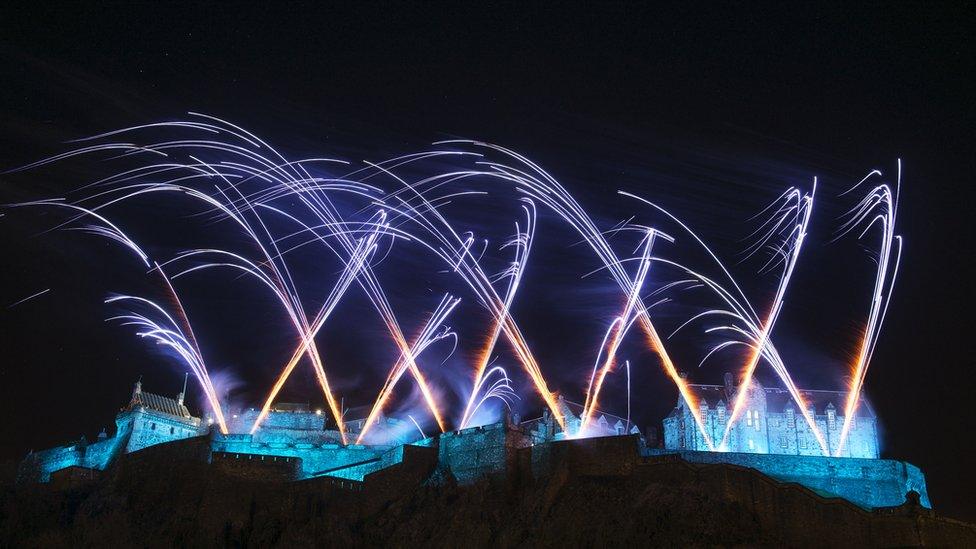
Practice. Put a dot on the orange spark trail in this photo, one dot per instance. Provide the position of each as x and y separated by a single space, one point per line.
623 323
425 338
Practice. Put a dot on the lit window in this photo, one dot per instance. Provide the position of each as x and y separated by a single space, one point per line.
752 445
749 418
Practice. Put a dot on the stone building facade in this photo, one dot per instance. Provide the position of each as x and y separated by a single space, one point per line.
770 422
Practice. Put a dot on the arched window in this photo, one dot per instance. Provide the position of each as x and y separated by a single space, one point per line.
153 427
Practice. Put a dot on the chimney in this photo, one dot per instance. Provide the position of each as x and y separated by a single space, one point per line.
729 385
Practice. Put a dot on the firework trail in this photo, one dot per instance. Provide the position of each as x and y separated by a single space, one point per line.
28 298
879 207
794 213
618 327
281 179
427 337
258 191
789 220
536 183
169 334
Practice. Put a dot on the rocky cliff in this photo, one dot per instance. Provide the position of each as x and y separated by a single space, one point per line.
171 497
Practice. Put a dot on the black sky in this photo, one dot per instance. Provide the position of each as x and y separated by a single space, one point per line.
706 109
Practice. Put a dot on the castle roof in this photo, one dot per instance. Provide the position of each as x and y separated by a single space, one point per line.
575 409
778 399
158 403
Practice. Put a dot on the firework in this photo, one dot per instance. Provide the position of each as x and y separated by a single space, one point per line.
233 177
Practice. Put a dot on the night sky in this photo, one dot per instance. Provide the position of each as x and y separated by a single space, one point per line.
710 113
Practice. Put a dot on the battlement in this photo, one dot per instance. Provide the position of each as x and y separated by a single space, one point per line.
258 467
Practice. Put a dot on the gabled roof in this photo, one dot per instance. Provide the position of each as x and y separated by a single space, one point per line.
159 403
575 409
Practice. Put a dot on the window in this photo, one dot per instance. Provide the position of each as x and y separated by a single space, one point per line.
755 419
749 418
783 442
172 430
752 445
721 414
790 418
152 427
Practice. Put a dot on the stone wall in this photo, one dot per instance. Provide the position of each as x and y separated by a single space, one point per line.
486 451
616 455
867 482
148 428
39 466
316 459
773 432
257 467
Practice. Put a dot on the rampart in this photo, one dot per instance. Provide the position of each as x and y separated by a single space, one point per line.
869 483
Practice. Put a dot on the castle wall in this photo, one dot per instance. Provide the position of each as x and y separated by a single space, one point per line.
866 482
315 458
295 421
39 466
149 428
601 456
258 467
415 465
772 433
488 450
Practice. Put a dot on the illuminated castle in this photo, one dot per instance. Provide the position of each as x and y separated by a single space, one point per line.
295 444
770 423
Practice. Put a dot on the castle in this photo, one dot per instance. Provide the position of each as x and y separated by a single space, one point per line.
770 422
294 443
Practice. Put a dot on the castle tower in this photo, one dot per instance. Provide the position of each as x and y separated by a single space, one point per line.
152 419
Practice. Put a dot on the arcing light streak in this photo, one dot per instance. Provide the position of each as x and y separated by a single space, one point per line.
793 213
796 210
879 206
257 189
523 245
427 337
360 257
290 178
618 328
172 336
456 252
501 388
538 184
